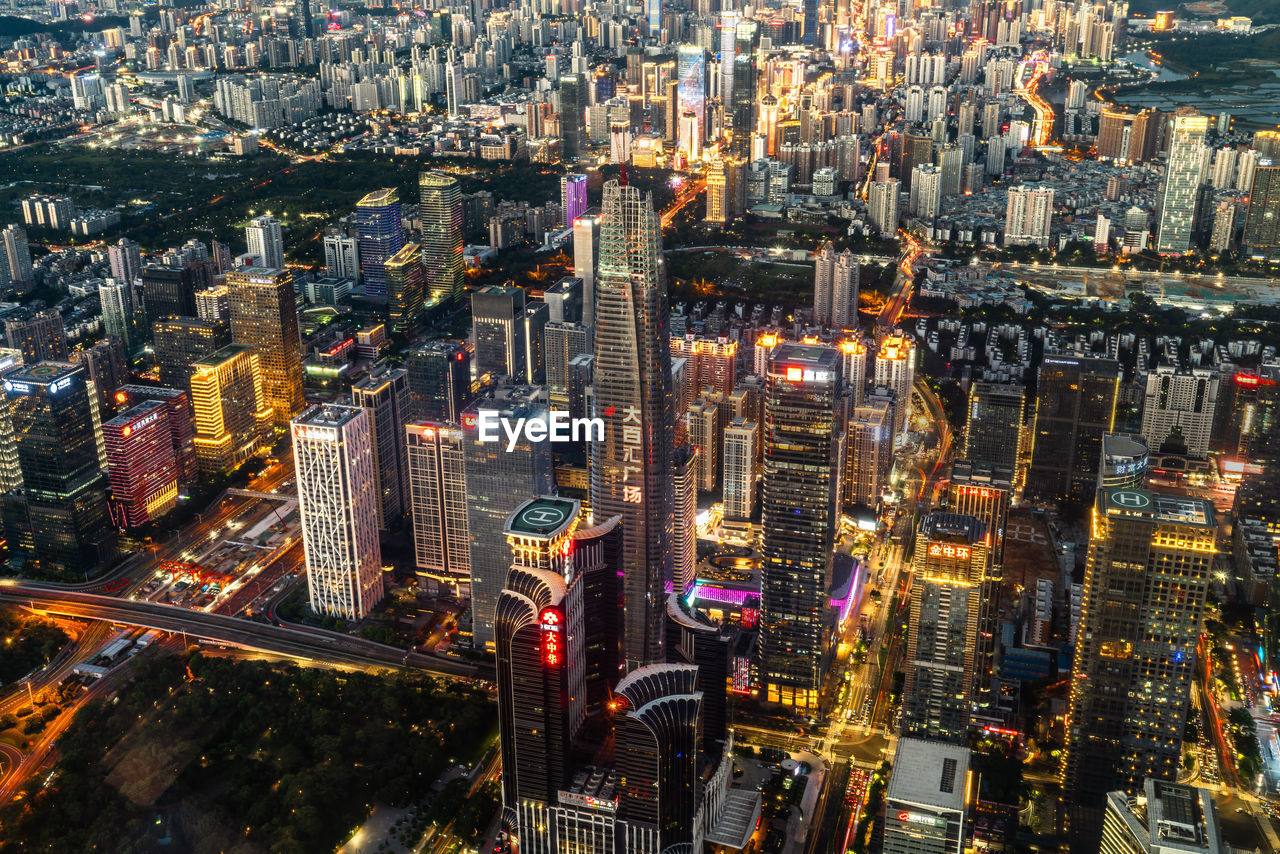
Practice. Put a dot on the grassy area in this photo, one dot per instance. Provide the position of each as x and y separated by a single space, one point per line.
29 642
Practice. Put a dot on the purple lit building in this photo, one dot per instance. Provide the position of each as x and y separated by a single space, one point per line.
573 197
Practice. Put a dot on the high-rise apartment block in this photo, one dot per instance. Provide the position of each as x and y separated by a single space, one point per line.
1028 216
338 503
40 336
1146 577
741 449
264 315
116 298
802 451
711 363
835 288
229 406
1181 401
868 454
265 241
895 369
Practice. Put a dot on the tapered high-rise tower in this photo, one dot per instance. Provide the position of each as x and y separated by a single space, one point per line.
631 470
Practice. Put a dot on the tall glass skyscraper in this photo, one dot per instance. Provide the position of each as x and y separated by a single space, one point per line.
631 469
802 445
691 70
264 316
440 210
381 237
1182 181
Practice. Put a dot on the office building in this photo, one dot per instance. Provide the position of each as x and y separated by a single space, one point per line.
993 424
1125 462
573 198
741 449
10 469
229 407
1028 216
498 480
1180 401
1146 577
895 369
868 454
1261 237
116 298
264 315
541 666
338 504
925 807
182 431
439 381
1075 406
1162 818
436 463
572 101
177 343
802 451
169 291
534 320
684 490
562 343
497 325
405 283
384 392
631 468
948 568
440 211
55 422
586 249
39 335
381 233
564 301
265 241
835 288
142 464
1182 179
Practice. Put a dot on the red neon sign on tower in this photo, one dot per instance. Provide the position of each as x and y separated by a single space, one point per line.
552 643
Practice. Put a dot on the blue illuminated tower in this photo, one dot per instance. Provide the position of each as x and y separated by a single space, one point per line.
381 237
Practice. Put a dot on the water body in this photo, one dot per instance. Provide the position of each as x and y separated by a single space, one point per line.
1254 102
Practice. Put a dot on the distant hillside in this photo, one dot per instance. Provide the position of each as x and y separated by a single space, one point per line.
1262 11
12 26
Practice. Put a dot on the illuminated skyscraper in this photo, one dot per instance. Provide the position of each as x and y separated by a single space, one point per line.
338 503
439 380
141 463
1075 405
691 71
378 220
946 599
802 450
573 198
436 461
232 418
168 292
631 468
41 336
182 431
497 325
1145 582
384 392
440 211
178 342
498 480
868 454
1261 237
404 281
741 443
1182 179
117 312
65 487
264 315
1160 816
586 248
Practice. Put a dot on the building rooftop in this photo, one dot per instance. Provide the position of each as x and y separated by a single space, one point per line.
542 517
328 415
217 357
929 773
379 198
41 373
1177 509
809 356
